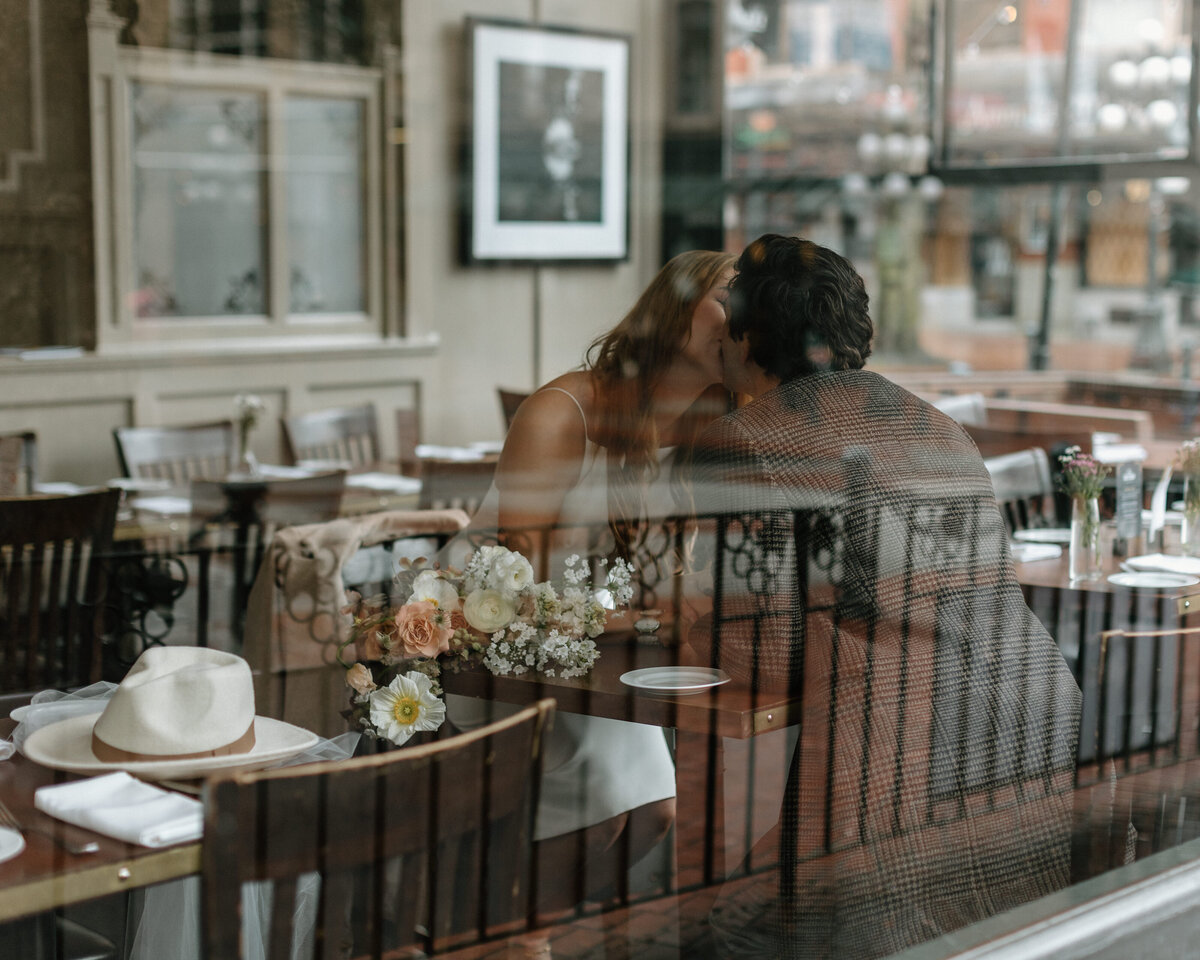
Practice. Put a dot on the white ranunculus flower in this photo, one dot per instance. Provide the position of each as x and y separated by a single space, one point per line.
510 573
488 610
438 591
406 705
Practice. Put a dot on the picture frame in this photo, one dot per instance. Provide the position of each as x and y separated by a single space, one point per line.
547 153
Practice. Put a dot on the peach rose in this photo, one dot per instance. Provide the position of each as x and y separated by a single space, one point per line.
421 630
359 678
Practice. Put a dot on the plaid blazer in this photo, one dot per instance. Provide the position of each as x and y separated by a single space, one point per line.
863 562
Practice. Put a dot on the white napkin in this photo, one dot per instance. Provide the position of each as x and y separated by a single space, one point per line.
118 805
448 453
1158 508
278 471
1032 552
1165 562
384 481
1119 453
167 506
1169 516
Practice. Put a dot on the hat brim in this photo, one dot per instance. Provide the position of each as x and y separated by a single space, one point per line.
67 745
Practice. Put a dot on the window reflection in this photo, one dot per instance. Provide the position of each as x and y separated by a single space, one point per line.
325 191
199 206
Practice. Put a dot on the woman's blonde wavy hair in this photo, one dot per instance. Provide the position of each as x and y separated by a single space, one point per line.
629 360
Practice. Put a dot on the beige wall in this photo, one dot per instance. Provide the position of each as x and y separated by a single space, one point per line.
511 326
46 292
470 329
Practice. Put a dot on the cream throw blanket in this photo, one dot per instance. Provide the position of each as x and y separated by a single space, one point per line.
294 622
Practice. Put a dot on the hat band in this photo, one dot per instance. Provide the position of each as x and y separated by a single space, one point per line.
109 754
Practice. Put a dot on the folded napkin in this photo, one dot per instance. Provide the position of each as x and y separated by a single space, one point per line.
279 471
1165 562
118 805
1119 452
448 453
384 481
167 506
1032 552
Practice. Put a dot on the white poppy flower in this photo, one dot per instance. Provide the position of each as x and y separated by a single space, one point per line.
406 705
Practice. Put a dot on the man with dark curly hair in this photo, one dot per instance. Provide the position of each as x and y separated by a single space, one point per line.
863 568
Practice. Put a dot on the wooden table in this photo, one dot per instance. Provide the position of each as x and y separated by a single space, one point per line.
1139 681
700 722
44 876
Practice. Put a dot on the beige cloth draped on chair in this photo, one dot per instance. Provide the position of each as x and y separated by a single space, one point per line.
294 622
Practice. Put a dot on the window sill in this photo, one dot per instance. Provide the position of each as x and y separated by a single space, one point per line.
231 351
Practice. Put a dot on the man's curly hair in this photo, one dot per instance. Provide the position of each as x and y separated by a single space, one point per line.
803 307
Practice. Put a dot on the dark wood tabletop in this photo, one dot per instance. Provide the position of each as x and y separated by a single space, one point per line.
729 710
44 875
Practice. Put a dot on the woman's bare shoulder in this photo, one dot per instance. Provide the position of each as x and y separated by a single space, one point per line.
564 392
578 383
551 417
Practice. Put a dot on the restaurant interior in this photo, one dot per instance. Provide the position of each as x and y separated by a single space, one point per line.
238 451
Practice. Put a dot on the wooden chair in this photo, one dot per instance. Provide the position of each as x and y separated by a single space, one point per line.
963 407
18 463
344 433
455 483
408 438
10 466
510 400
51 589
178 453
427 845
245 516
1024 488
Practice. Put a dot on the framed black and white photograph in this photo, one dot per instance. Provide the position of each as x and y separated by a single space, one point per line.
549 144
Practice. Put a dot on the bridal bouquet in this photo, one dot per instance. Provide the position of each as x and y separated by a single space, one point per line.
493 611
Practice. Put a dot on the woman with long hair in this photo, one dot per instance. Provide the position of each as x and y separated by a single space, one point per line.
608 444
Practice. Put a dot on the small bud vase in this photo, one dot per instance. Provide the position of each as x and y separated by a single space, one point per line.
1189 537
1084 555
245 463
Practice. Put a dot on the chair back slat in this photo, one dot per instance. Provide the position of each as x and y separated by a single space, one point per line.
176 454
390 836
510 402
344 433
18 463
51 588
408 438
1024 488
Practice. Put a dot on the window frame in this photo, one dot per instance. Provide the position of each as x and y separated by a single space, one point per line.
114 71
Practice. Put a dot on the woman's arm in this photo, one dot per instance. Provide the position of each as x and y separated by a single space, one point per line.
542 457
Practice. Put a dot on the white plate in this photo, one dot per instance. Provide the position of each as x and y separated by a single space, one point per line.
1033 552
1047 535
11 843
679 681
1152 579
1164 563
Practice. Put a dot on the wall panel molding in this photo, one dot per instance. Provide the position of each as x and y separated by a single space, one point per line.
36 152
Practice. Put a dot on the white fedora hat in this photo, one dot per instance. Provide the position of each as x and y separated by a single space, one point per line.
180 712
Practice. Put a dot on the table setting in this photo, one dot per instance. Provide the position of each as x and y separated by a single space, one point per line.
111 774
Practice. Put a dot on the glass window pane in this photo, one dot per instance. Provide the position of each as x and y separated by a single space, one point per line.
199 205
325 191
1132 68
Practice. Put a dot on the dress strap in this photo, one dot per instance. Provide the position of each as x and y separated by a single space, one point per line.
578 406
